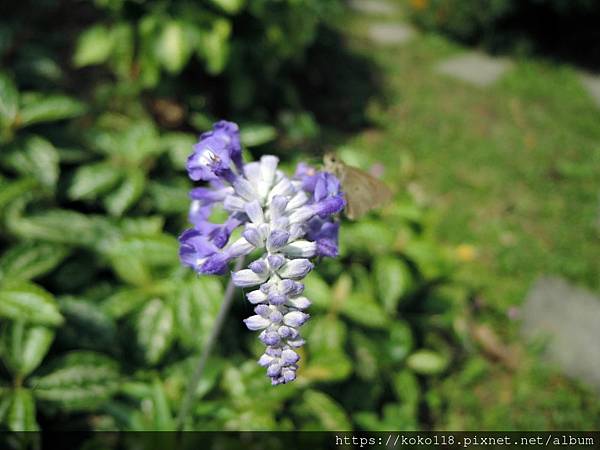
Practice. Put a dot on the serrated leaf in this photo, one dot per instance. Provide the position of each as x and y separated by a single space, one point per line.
26 301
80 380
9 100
61 226
21 411
427 362
36 108
393 280
123 302
93 180
24 346
329 413
155 329
94 46
128 192
197 304
28 260
158 249
34 156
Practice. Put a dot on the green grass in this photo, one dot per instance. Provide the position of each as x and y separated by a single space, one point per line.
513 171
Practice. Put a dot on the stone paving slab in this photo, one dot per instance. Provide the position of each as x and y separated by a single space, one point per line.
591 83
569 318
391 33
475 68
373 7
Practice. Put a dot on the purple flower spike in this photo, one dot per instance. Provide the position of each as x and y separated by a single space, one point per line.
287 220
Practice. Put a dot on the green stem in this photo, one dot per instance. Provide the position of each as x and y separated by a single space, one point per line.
206 351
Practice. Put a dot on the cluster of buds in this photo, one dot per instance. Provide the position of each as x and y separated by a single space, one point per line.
287 220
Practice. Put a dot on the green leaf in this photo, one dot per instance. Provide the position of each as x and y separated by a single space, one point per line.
21 411
123 302
92 180
36 108
161 412
87 325
179 146
173 49
24 346
406 387
61 226
318 291
80 380
395 417
367 355
159 249
155 330
253 135
329 413
34 156
427 362
144 225
28 302
429 259
127 193
169 199
400 342
94 46
358 238
328 366
197 304
213 46
9 101
230 6
326 333
28 260
11 191
364 310
393 280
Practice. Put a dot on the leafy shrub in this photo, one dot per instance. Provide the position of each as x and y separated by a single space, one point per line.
100 325
525 26
98 316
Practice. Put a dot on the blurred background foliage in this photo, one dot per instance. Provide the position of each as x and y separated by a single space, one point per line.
563 29
100 103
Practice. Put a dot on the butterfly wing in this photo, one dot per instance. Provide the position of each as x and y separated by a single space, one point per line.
363 191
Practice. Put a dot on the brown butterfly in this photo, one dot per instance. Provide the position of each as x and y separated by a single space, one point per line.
363 191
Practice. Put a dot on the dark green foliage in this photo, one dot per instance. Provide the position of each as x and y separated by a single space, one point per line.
564 29
100 325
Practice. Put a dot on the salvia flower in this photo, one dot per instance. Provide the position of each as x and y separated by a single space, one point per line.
287 221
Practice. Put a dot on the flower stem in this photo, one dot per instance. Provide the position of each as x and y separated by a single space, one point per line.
206 351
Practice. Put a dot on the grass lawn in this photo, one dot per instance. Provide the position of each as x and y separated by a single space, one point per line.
513 174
